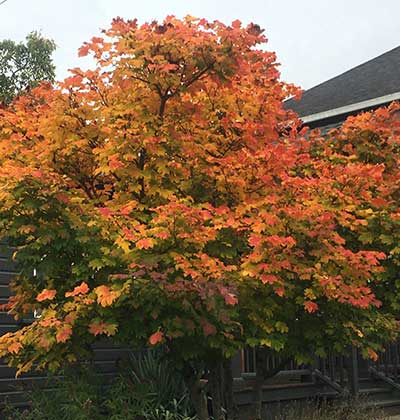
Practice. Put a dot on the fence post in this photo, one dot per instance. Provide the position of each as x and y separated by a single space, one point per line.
354 384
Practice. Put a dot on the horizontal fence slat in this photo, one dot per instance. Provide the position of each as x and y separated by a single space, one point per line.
5 291
6 277
7 265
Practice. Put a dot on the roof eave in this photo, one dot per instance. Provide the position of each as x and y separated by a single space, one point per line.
370 103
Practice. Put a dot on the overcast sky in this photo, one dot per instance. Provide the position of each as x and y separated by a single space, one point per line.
314 39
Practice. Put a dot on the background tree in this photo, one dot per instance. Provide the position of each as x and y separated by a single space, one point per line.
373 139
24 65
166 197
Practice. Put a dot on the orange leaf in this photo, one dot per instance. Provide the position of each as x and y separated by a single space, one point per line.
105 296
156 338
144 243
236 24
46 294
372 354
99 327
84 50
64 333
114 163
105 211
255 240
82 289
231 299
14 348
37 174
268 278
310 306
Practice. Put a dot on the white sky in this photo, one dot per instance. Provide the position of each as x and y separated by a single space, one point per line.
314 39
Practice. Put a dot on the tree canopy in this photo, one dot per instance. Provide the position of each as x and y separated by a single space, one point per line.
23 65
167 197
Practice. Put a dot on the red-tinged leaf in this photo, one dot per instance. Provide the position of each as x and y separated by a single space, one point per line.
379 202
105 296
310 306
14 347
99 327
97 40
82 289
163 235
372 354
64 333
46 294
49 322
71 318
169 67
268 278
209 329
156 338
145 243
236 24
231 299
128 208
37 174
44 342
114 162
255 240
84 50
280 291
5 306
64 198
105 211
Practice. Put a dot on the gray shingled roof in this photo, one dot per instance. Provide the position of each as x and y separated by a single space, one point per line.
377 77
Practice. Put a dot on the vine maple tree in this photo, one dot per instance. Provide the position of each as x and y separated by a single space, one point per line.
167 198
371 140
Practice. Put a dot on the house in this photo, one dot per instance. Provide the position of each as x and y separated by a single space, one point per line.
368 86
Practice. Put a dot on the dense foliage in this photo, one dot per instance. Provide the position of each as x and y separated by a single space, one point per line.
167 197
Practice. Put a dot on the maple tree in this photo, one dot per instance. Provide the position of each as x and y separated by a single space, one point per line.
166 198
372 140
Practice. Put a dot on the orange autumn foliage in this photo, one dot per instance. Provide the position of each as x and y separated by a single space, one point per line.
169 190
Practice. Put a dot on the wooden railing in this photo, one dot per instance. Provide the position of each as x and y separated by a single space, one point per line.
388 361
342 373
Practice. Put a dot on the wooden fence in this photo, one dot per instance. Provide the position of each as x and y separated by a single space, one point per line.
336 377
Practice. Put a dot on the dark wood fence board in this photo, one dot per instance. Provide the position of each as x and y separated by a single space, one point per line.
5 291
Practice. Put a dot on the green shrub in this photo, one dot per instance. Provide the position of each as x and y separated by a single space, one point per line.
148 388
75 396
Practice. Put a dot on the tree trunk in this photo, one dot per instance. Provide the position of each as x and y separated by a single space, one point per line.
198 398
259 382
215 382
263 373
231 411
